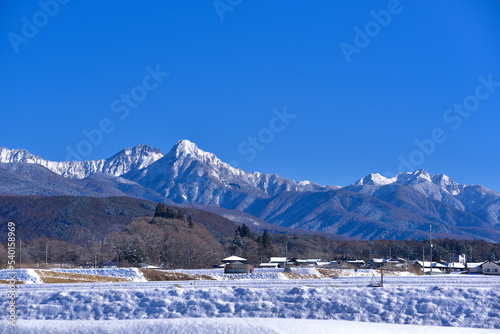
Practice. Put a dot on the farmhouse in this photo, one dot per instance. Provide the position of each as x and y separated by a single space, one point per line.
491 268
455 266
425 266
238 268
269 265
281 261
357 263
233 259
474 267
376 263
236 265
306 262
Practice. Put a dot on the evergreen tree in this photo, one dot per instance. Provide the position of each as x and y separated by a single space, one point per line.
190 222
180 215
260 242
266 239
267 244
245 231
160 210
170 213
237 233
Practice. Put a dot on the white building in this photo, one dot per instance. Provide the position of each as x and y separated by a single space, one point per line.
437 268
455 266
232 259
281 261
491 268
474 267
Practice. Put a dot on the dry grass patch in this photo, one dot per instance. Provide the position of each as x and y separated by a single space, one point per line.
296 275
2 281
330 273
159 275
48 276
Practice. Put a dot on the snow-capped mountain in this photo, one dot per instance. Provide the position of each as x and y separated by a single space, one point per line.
33 179
373 207
468 198
188 174
418 179
124 161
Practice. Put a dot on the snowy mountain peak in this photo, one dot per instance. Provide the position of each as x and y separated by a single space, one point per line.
15 155
439 187
141 148
375 179
186 147
421 174
136 157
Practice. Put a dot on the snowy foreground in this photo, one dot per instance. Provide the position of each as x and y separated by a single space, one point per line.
269 304
229 325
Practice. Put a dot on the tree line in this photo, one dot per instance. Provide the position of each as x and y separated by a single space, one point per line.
170 239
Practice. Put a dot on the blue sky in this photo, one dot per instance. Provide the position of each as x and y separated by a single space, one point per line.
357 102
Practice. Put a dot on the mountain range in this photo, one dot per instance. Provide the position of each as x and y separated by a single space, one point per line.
373 207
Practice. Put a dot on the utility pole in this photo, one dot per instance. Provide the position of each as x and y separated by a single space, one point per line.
20 249
286 254
381 276
423 258
430 242
286 251
46 253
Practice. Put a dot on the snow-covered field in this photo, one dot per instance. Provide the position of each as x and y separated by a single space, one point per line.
447 300
30 276
133 273
230 325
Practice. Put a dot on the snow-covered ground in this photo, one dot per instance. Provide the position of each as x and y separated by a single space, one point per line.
29 276
267 301
229 325
133 273
453 300
277 273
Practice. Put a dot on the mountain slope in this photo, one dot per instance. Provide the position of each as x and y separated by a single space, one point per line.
84 219
361 216
131 158
474 199
34 179
189 175
373 207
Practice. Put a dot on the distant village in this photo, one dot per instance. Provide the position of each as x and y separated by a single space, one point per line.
236 264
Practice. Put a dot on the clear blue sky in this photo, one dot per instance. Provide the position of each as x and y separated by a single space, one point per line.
226 77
